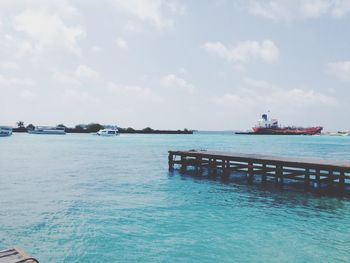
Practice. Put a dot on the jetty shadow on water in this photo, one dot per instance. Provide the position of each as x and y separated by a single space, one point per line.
292 194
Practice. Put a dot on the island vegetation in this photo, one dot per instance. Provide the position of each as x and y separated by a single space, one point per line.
95 127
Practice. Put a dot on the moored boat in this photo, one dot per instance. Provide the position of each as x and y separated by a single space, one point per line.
108 132
339 133
271 127
48 130
5 131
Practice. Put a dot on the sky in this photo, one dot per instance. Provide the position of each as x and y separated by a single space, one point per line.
173 64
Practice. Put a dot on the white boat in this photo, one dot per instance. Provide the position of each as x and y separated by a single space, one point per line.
340 133
108 132
47 130
5 131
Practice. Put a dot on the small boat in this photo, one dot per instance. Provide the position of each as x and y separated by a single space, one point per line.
108 132
339 133
47 130
5 131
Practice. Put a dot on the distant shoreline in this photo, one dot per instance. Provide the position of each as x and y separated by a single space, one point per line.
121 131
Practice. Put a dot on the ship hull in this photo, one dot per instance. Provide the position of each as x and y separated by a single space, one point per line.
287 131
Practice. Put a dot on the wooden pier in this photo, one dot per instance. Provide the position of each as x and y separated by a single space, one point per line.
334 175
15 255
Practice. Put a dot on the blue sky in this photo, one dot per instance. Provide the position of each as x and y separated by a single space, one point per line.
208 65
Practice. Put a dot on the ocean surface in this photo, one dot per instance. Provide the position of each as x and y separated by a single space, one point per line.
84 198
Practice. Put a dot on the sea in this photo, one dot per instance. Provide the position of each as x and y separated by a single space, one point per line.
84 198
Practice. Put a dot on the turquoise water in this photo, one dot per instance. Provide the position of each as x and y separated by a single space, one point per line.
83 198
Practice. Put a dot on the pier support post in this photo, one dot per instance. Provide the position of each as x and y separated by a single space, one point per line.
250 173
225 168
276 175
263 177
215 166
317 178
330 180
280 174
307 178
171 162
342 181
198 166
183 164
212 167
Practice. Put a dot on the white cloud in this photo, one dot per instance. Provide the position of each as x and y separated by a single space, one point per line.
341 8
134 27
23 47
96 49
315 8
80 96
257 94
47 30
176 8
22 88
172 81
65 78
75 78
128 89
9 65
65 9
150 11
273 10
11 47
121 43
340 69
27 94
86 72
62 7
16 82
265 50
182 71
133 91
293 9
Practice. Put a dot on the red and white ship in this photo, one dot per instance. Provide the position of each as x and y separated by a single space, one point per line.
271 126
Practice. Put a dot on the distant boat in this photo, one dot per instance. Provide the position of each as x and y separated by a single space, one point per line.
339 133
5 131
108 132
47 130
271 126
